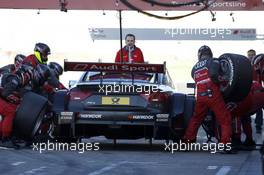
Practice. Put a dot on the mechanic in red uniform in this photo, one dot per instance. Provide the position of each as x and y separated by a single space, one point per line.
256 77
253 102
208 96
239 117
10 83
131 53
11 68
8 103
40 57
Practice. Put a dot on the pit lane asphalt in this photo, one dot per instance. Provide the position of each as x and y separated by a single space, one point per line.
129 157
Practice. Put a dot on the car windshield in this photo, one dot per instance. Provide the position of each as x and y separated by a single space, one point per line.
113 76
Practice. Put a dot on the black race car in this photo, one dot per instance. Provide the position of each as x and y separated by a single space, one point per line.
121 101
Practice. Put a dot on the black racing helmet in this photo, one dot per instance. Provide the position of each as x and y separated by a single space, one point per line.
56 67
205 51
41 52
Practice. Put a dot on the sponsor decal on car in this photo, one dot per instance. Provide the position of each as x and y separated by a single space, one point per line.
141 117
91 116
65 117
90 102
113 67
162 117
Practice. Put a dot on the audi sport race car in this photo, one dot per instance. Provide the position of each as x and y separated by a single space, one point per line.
121 101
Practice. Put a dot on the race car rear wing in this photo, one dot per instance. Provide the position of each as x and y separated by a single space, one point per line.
114 67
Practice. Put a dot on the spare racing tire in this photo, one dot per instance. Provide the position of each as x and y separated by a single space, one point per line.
236 73
29 115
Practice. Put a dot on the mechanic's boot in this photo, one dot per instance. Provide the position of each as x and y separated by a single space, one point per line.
8 143
249 144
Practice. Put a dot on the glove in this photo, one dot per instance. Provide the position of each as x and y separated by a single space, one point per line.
13 99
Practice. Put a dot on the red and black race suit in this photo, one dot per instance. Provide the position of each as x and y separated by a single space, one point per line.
208 96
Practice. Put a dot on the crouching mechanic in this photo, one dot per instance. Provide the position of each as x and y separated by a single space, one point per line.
38 61
10 83
253 102
205 74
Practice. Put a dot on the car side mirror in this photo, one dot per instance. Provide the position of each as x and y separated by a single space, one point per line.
72 83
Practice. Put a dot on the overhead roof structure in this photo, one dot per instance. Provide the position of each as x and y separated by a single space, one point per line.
231 5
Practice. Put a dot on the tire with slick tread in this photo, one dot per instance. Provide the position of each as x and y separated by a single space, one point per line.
237 73
29 115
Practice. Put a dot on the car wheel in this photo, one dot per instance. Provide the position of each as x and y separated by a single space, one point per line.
236 73
29 115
